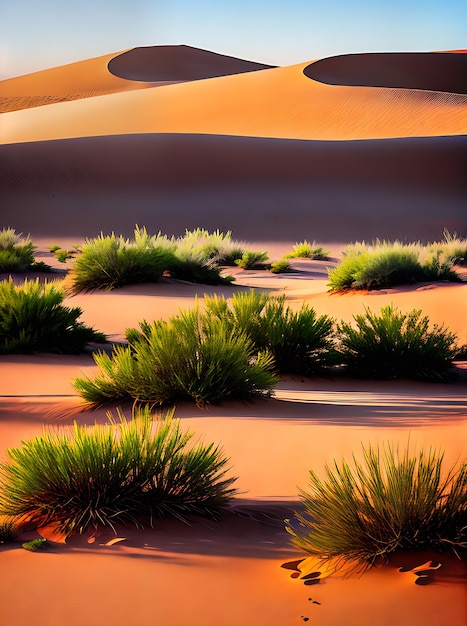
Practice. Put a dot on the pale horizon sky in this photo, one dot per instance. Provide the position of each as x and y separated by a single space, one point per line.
38 35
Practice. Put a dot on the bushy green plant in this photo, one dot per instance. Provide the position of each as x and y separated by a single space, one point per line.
300 341
307 250
193 266
216 246
16 252
453 247
392 501
393 344
125 471
33 319
191 357
108 261
281 266
252 260
385 264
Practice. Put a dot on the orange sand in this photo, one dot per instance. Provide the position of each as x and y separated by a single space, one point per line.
106 177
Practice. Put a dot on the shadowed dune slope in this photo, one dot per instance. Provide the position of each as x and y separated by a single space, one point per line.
177 63
260 188
432 71
279 102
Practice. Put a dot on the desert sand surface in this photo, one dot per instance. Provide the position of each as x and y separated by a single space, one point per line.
276 157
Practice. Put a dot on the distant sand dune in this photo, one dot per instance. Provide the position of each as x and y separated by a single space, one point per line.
84 79
432 71
280 102
177 63
261 188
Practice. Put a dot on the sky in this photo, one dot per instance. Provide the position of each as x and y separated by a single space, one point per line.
38 34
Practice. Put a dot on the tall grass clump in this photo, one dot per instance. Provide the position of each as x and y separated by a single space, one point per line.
191 357
33 319
252 259
126 471
307 250
299 341
385 264
393 344
195 267
16 252
393 500
109 262
216 246
452 247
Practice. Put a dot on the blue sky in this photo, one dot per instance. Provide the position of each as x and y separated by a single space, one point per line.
36 34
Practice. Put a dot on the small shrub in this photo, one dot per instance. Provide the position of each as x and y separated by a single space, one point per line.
280 267
453 247
387 264
34 544
216 246
252 260
191 357
392 501
108 262
195 267
53 248
120 472
307 250
33 319
16 253
396 345
300 342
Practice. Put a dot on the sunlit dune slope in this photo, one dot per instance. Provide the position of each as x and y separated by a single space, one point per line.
177 63
128 70
278 102
441 71
74 81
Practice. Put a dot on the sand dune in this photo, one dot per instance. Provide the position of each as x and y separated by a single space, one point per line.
430 71
334 191
177 63
280 103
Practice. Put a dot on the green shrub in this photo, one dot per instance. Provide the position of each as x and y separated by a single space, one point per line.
191 357
396 345
307 250
216 246
280 267
195 267
34 544
108 262
300 341
453 247
252 260
392 501
16 253
119 472
33 319
385 264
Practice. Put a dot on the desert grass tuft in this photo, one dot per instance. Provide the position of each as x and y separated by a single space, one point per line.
192 357
307 250
127 471
393 500
9 527
252 259
393 344
16 252
282 266
109 262
385 264
300 341
33 319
